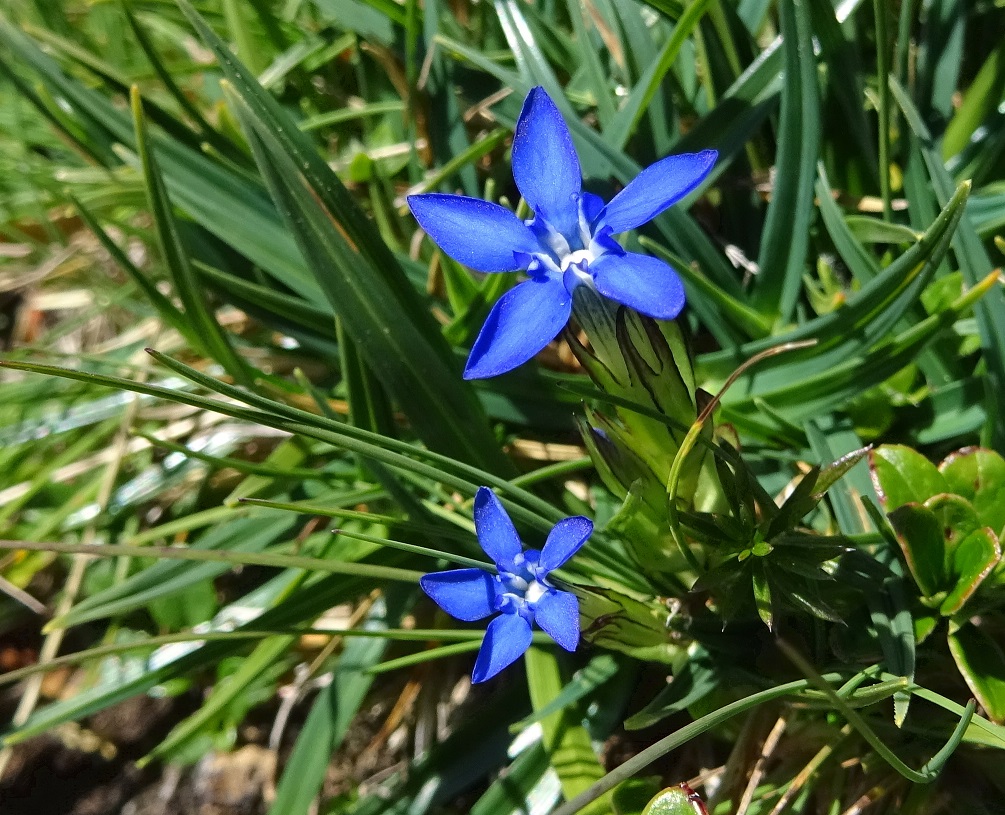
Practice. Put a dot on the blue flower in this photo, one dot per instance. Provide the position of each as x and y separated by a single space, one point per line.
568 243
521 590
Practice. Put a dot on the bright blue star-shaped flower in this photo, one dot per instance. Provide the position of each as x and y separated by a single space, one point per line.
521 590
569 242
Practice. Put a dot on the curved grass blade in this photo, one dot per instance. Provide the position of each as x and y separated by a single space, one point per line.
212 339
395 453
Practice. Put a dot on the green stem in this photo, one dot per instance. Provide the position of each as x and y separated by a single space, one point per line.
677 467
883 70
685 734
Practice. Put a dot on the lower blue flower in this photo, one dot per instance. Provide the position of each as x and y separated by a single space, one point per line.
521 590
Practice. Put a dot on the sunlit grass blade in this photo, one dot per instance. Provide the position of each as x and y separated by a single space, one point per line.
785 239
867 314
566 741
975 265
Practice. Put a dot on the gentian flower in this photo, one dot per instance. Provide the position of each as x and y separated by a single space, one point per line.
521 590
568 242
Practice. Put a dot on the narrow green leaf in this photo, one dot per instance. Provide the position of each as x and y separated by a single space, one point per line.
333 711
165 308
692 683
627 119
439 404
975 265
207 330
359 274
263 657
566 741
785 238
982 662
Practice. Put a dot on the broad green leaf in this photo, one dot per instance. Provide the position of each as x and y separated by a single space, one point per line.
632 796
901 475
978 475
973 559
982 662
680 800
921 537
957 517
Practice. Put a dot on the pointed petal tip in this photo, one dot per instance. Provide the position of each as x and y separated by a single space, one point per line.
558 615
522 323
657 187
480 234
507 637
545 164
467 594
496 534
565 539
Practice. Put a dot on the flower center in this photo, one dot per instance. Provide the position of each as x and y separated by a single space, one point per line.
521 590
581 259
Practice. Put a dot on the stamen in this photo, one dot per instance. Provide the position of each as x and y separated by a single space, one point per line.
581 259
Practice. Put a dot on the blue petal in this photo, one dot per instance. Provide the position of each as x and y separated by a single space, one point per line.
545 164
564 541
467 594
592 205
557 612
506 638
477 233
657 187
524 320
643 283
496 534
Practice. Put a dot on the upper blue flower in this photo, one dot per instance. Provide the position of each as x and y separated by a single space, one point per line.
521 590
569 241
